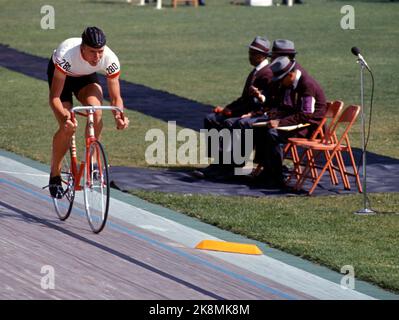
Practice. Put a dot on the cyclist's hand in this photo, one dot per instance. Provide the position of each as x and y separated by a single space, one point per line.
71 125
121 123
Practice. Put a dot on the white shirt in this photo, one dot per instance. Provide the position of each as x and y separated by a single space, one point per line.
297 77
68 59
261 65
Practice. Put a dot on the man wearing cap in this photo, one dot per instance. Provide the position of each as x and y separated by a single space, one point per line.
285 48
282 48
302 101
260 77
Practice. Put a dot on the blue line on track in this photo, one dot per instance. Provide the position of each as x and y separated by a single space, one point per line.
156 243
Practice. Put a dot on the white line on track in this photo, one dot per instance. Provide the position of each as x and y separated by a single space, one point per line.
24 173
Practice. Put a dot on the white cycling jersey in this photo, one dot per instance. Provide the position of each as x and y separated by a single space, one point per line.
68 59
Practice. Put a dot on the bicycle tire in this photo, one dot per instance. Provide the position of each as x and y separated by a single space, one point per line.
63 206
96 186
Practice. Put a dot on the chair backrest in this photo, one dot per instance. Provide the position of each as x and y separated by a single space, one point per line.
348 117
333 110
176 2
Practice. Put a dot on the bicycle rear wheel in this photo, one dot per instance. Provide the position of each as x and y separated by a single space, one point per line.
63 206
96 188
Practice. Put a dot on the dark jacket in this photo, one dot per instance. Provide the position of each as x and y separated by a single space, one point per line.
304 103
246 103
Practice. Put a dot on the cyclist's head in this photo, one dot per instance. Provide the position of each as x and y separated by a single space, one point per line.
93 37
93 42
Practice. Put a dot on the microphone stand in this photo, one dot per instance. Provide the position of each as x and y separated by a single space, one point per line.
365 210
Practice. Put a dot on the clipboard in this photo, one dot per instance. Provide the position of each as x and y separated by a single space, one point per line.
284 128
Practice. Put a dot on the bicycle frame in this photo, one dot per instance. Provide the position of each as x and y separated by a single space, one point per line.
77 173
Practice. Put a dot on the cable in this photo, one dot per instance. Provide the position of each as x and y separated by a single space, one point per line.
371 109
370 117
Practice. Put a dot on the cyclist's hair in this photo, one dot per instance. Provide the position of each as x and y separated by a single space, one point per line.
93 37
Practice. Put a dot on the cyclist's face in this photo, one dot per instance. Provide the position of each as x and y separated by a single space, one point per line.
92 55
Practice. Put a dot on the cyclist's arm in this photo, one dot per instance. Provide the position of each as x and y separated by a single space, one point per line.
115 92
57 86
116 100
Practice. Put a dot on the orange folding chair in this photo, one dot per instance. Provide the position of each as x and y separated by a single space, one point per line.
176 2
333 110
335 147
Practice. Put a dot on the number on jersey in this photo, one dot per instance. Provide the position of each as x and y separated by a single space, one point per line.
112 68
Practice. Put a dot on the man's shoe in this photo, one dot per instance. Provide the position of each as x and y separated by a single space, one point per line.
55 187
214 171
206 172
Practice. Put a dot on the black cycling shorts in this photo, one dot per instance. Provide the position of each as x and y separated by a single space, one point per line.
72 84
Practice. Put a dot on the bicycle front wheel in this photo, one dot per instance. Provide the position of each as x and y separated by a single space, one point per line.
96 187
63 206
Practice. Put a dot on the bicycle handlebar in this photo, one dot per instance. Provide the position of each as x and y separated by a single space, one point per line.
93 108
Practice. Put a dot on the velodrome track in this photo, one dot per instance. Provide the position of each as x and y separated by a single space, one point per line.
141 254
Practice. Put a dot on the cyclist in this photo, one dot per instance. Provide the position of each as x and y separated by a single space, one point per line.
72 69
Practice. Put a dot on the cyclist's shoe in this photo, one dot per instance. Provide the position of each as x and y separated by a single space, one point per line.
55 187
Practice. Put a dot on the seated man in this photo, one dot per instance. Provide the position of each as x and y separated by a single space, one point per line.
301 100
259 77
280 48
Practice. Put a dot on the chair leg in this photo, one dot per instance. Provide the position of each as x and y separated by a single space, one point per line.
305 173
296 160
356 173
343 172
327 164
313 165
333 176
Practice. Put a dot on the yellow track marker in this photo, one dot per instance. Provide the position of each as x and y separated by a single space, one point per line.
228 247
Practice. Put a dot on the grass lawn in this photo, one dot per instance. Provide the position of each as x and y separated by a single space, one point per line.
201 54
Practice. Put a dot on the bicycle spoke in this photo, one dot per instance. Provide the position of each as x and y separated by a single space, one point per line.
96 188
63 206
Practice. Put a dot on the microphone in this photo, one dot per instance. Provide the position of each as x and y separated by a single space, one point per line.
356 52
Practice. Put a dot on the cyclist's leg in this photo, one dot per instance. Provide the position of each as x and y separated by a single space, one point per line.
61 142
92 94
62 137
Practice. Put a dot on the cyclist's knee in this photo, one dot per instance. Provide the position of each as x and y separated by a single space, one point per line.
98 115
